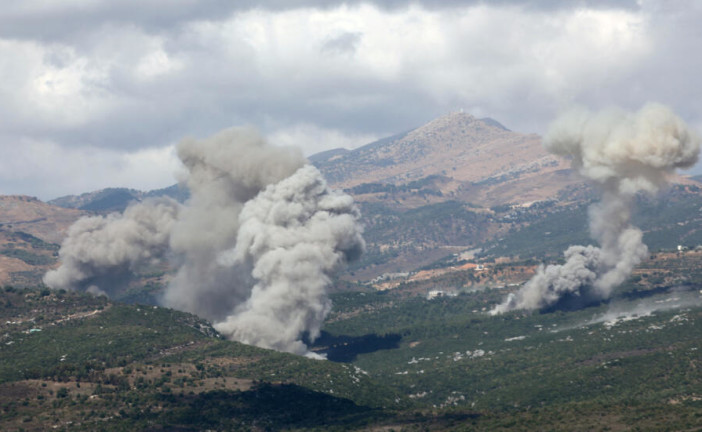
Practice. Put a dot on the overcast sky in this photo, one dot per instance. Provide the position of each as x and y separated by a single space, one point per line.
95 93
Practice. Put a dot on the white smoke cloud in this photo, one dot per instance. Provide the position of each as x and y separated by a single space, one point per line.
254 246
624 154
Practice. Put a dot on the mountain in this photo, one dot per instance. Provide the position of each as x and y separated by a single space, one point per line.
454 184
42 220
444 188
30 231
116 199
327 155
479 161
110 199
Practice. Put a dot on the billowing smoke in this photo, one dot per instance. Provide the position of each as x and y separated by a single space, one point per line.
254 246
623 154
293 234
223 173
101 253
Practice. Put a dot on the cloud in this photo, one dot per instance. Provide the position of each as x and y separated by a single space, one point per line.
48 170
344 43
313 139
134 75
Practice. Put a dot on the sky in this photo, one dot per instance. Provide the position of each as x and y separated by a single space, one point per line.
97 93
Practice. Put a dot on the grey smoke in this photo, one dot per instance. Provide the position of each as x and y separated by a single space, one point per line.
623 154
254 246
223 172
101 252
293 235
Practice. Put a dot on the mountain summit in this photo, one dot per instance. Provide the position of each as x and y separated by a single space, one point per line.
510 166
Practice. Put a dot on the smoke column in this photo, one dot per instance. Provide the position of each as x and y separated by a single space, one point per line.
101 253
623 154
293 234
254 246
223 173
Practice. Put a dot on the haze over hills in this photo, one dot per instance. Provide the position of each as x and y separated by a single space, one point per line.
454 157
459 163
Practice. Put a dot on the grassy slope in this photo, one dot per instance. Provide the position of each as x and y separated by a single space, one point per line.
533 371
667 221
76 361
410 364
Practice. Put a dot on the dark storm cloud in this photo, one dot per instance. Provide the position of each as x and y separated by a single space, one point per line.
32 20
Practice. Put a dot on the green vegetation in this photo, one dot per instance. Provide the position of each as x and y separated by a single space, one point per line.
28 257
667 221
111 200
400 362
391 233
546 237
547 368
422 187
28 248
34 242
80 361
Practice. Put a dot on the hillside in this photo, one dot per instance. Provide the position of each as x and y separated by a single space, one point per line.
30 233
482 161
626 365
398 361
454 184
409 342
78 362
115 199
42 220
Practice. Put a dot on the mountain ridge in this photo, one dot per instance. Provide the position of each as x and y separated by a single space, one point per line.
470 151
116 199
453 184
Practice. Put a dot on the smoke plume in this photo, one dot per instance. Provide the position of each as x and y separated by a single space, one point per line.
293 235
101 253
223 172
623 154
254 246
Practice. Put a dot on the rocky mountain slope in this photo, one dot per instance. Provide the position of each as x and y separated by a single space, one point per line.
115 199
42 220
477 159
30 231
